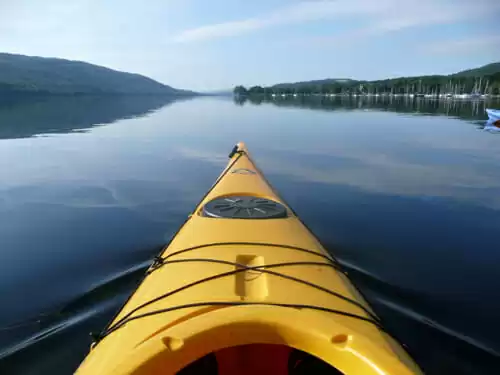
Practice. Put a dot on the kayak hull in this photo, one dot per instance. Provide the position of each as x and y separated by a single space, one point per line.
231 284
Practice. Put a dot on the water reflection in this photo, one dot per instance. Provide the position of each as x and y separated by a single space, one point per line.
408 203
464 109
22 117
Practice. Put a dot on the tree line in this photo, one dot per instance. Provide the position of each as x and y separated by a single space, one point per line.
436 85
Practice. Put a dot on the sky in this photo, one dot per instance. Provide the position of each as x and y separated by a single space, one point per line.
216 44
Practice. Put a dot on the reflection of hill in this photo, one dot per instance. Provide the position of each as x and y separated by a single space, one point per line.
23 117
468 110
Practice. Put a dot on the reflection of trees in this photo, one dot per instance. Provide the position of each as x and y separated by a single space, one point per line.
26 116
254 99
239 99
257 99
466 109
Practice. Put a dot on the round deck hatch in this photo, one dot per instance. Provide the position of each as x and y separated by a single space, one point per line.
244 207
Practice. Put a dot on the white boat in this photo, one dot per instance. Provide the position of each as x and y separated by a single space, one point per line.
493 114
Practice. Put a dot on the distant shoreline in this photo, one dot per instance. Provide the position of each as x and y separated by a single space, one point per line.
383 95
472 83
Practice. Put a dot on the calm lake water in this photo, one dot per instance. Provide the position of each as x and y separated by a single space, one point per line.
405 193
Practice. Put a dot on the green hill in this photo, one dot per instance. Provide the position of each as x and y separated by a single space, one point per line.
326 81
28 74
466 81
489 69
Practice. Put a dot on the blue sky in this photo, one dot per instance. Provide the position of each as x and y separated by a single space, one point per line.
216 44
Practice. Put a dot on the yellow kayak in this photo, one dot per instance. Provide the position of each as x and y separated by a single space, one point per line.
245 288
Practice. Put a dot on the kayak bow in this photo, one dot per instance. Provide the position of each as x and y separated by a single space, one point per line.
245 288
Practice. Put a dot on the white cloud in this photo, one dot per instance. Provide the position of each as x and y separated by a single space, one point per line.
220 30
294 14
381 16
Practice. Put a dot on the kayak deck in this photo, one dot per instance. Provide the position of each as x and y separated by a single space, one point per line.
245 287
